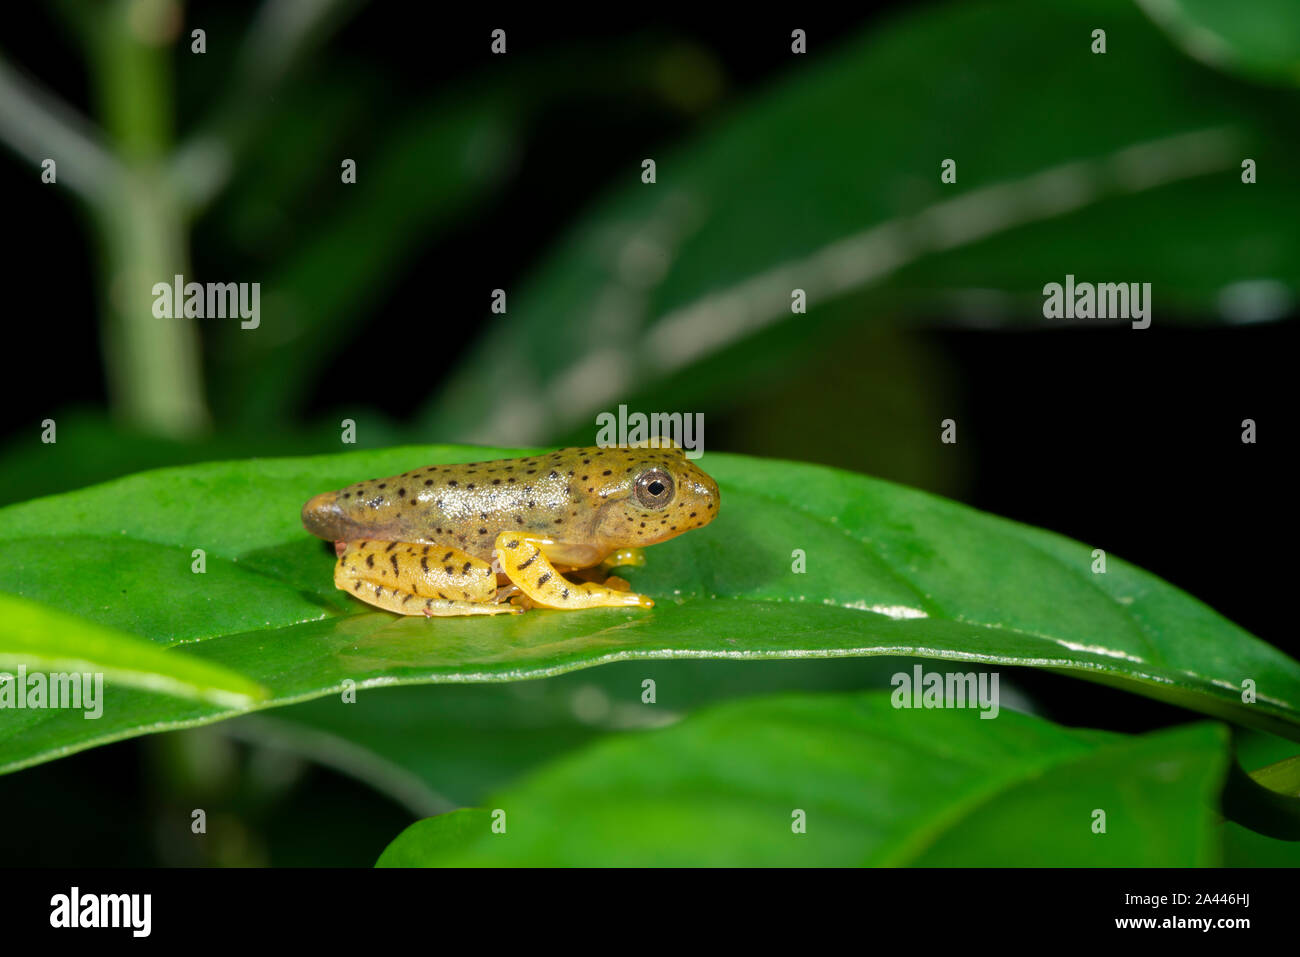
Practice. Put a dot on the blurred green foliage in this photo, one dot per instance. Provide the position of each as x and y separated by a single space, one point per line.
847 780
678 294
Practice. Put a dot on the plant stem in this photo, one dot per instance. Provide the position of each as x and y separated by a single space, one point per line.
154 368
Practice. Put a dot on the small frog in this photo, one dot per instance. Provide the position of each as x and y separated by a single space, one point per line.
441 540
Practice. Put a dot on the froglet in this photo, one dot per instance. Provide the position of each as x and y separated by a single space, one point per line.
490 538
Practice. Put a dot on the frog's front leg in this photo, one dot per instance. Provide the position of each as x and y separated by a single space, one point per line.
417 579
521 557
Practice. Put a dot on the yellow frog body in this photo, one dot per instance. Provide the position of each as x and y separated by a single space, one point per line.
443 540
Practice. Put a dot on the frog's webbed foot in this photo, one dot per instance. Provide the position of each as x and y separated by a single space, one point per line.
521 558
417 579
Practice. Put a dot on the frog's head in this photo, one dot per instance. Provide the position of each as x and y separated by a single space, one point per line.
660 495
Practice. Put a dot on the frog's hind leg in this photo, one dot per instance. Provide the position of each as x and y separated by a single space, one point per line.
521 558
417 579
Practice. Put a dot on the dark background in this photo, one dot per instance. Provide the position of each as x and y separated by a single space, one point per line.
1128 441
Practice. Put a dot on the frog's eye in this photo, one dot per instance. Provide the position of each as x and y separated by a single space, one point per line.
654 488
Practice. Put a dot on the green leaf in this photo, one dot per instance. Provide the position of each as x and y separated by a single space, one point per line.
1282 776
1112 167
876 785
451 830
890 571
463 742
1243 847
1273 763
41 639
1267 799
1259 40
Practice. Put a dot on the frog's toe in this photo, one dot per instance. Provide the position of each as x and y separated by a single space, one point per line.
525 563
